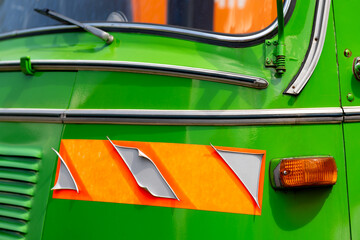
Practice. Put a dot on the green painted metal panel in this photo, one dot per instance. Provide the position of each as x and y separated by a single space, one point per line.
17 187
142 91
19 175
42 90
158 49
14 212
10 150
346 15
351 132
7 235
30 164
14 225
299 214
165 50
19 199
26 158
347 40
15 199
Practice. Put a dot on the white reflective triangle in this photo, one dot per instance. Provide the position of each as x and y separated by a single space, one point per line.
65 179
145 172
247 168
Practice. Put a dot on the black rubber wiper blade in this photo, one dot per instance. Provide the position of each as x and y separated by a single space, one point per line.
108 38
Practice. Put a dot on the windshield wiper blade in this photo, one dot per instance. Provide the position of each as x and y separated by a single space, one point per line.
108 38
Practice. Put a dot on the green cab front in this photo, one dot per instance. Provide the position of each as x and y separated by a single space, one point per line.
170 120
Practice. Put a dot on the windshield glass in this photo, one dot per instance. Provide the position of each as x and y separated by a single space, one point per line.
222 16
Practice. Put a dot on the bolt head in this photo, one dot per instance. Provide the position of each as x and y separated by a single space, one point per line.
347 53
350 97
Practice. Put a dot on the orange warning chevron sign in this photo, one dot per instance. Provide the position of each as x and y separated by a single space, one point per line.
201 176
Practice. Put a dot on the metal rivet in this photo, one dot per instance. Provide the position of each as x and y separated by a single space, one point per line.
350 97
285 172
347 53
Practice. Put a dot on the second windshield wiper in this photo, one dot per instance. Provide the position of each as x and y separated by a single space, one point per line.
108 38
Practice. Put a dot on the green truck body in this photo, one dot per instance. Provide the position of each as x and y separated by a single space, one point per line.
139 71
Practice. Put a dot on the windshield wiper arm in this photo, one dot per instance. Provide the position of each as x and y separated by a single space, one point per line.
108 38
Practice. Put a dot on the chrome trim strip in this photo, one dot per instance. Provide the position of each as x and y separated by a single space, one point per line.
351 119
205 114
352 114
351 110
176 117
316 46
140 67
276 176
8 66
161 28
40 112
207 122
31 115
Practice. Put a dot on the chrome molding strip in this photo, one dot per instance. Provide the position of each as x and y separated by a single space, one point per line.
158 28
176 117
139 67
205 114
207 122
31 115
352 114
314 51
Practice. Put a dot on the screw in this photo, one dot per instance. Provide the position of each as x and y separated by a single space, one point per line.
285 172
347 53
268 60
350 97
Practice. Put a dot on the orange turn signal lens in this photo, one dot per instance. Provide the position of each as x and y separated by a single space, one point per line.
301 172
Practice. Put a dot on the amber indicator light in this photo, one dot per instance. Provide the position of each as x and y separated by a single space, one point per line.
313 171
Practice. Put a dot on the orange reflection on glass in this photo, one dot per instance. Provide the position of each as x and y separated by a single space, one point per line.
149 11
243 16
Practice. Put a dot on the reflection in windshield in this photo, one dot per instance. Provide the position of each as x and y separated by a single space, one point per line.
243 16
224 16
17 15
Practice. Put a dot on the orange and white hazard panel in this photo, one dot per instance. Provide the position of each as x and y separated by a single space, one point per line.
202 177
